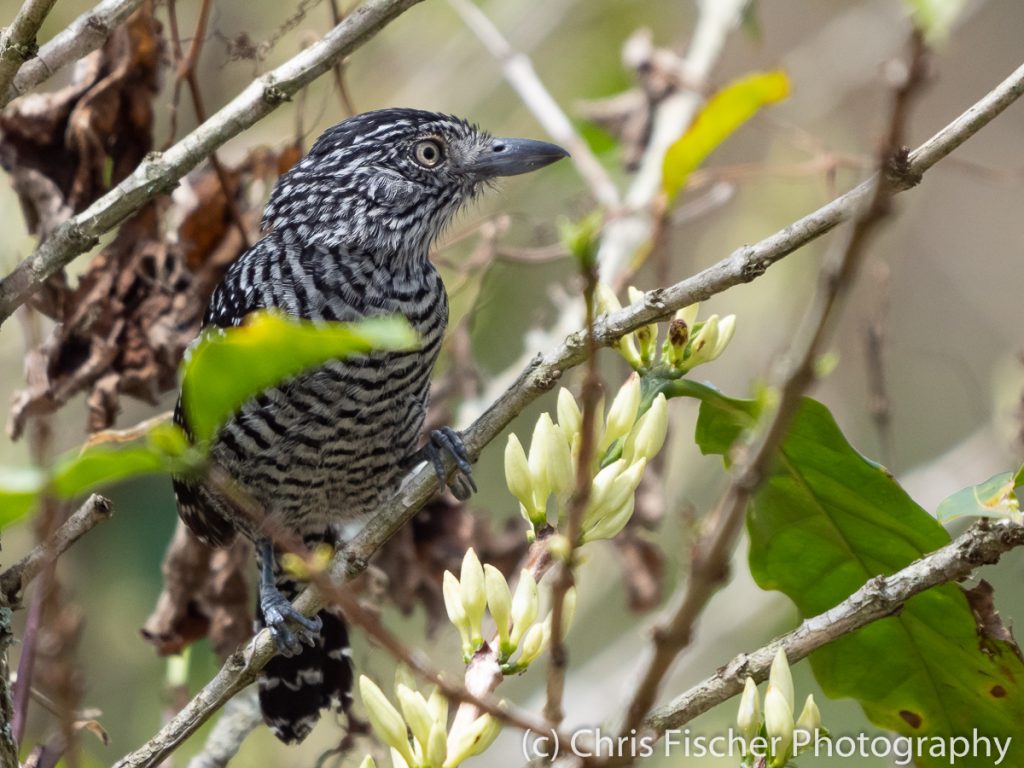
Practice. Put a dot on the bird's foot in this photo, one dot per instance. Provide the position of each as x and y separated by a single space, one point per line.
447 440
278 611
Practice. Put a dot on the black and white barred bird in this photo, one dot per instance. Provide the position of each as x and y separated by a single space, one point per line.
348 232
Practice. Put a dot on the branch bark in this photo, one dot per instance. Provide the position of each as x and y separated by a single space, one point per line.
882 596
161 171
18 41
84 35
744 265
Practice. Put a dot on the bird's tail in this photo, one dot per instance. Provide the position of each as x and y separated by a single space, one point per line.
294 689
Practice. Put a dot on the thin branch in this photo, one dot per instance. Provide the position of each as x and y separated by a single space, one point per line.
882 596
523 78
161 171
18 41
13 581
713 550
241 716
84 35
419 486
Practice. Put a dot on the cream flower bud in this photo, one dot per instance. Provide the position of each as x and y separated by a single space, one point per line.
471 740
600 490
517 476
499 601
533 643
570 418
436 749
538 462
397 761
613 499
648 434
368 762
810 717
416 713
452 592
688 314
703 344
438 706
726 330
386 722
622 414
611 524
474 595
748 719
525 604
605 299
778 723
781 677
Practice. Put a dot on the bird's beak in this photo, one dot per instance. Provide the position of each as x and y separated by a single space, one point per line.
510 157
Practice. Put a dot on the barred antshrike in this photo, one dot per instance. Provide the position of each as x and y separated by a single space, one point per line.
348 231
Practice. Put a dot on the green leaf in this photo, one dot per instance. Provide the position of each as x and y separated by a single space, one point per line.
993 498
934 17
19 490
827 520
229 366
724 112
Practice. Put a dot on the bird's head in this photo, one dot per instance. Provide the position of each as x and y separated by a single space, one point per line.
394 178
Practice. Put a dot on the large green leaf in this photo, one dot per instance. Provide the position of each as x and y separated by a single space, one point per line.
229 366
824 522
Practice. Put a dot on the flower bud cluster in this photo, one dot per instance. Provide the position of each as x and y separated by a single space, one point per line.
777 724
626 439
482 588
417 730
687 344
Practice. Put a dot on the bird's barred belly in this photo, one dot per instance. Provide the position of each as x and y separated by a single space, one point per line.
328 446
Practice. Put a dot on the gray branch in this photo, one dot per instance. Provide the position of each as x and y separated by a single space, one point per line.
18 41
161 170
419 486
880 597
84 35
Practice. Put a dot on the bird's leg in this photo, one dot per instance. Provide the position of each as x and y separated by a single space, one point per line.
447 440
277 609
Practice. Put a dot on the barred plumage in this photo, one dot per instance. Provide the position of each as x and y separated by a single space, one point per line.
348 231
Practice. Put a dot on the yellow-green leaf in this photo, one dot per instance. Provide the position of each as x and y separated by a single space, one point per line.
229 366
724 112
19 489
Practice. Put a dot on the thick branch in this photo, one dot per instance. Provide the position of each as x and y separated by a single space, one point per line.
882 596
419 486
18 41
84 35
161 171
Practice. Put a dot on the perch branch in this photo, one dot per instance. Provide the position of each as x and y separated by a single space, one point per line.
161 171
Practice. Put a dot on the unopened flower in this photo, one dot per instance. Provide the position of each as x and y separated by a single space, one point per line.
622 413
499 602
473 591
778 723
781 678
646 335
387 723
416 713
452 592
748 719
810 718
525 604
570 418
534 643
626 345
471 740
517 476
648 434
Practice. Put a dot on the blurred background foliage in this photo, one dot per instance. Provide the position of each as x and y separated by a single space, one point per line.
943 280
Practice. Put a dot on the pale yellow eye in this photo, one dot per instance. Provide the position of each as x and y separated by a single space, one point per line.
428 153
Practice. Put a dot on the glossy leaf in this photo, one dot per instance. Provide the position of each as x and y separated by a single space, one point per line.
724 112
721 419
824 522
228 366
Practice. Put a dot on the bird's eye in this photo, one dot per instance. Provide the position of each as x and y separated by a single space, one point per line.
428 152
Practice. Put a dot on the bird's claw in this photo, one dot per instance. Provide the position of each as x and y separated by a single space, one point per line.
447 440
277 613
